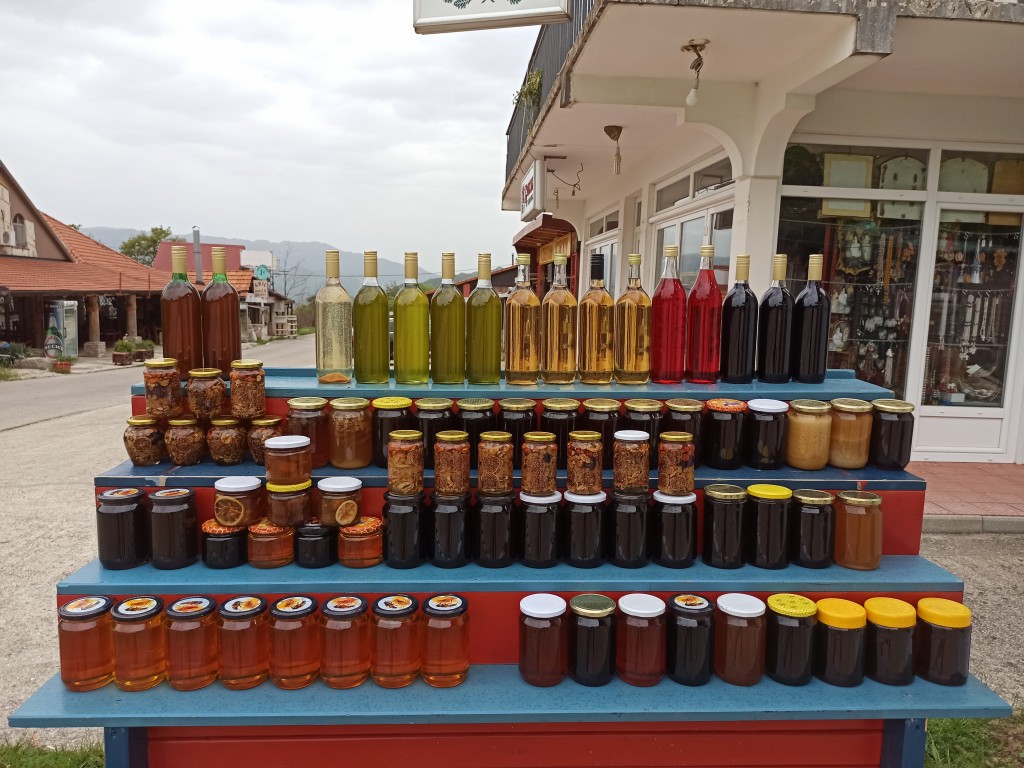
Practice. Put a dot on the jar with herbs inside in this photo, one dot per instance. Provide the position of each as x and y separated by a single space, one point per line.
306 417
405 462
350 433
144 441
451 463
584 460
226 439
675 463
540 459
205 392
248 389
631 470
494 464
162 383
261 430
185 442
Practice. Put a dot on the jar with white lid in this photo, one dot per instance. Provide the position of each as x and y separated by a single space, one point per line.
340 500
543 640
640 639
289 459
238 501
739 638
631 461
764 434
539 517
585 526
674 530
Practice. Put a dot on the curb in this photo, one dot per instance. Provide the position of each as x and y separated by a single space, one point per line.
972 524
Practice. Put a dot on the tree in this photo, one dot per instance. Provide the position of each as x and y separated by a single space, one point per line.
142 247
288 281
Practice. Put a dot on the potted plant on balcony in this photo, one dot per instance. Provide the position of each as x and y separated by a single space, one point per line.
143 350
123 352
63 363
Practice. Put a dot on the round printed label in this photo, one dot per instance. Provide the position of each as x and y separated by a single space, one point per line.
82 605
344 603
445 603
394 603
120 493
242 604
292 604
171 493
191 605
691 602
136 605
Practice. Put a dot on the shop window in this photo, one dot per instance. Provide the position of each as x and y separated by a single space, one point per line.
604 224
854 167
690 235
713 177
672 194
20 238
981 172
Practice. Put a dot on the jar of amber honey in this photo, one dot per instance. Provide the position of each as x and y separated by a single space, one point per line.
290 504
140 643
244 642
640 640
270 546
86 640
361 544
445 621
859 530
294 642
289 459
350 433
193 643
395 641
850 439
345 656
739 639
307 417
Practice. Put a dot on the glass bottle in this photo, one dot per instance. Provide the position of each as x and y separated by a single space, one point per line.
596 310
333 324
370 322
222 339
558 313
739 327
632 329
704 322
181 315
412 331
483 328
522 328
668 323
448 328
774 327
810 327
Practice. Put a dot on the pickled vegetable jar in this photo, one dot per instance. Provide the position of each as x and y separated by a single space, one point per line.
808 434
86 638
686 415
289 459
350 433
306 417
451 463
559 417
859 530
345 662
289 504
248 389
676 453
540 459
433 415
517 416
340 500
244 642
584 459
389 414
723 433
850 440
644 415
162 383
405 462
226 440
892 434
193 647
140 643
238 500
631 463
494 464
601 415
206 392
261 430
185 442
144 441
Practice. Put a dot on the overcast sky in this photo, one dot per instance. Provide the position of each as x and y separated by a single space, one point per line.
295 120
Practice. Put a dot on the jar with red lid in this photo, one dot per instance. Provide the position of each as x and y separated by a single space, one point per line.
270 546
227 441
307 417
290 504
543 640
193 643
294 642
289 459
248 389
395 641
261 430
739 639
345 659
640 640
723 433
244 642
140 643
361 544
206 392
86 636
445 621
162 383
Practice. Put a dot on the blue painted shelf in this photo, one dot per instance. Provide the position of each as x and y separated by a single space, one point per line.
496 694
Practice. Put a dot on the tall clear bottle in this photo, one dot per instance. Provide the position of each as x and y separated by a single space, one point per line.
739 327
775 326
222 338
597 309
370 322
558 360
668 323
333 323
448 328
181 316
522 328
632 329
483 328
412 327
810 327
704 322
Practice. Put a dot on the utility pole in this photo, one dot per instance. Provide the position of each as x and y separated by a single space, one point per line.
197 249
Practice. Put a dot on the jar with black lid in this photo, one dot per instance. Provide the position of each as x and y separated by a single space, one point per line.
789 641
839 642
476 416
592 640
224 546
628 530
723 525
390 414
517 416
644 415
764 434
122 528
601 414
674 530
316 545
433 415
689 640
723 433
449 545
683 414
174 528
494 532
540 528
404 530
889 641
559 417
892 434
766 526
585 526
812 528
942 641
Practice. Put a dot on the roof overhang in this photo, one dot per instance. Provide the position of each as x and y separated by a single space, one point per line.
542 231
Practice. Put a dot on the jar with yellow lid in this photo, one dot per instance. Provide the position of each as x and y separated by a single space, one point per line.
723 525
559 417
185 441
850 440
889 641
350 433
540 459
808 432
451 463
584 459
683 414
892 434
644 415
789 641
859 530
723 433
389 414
248 389
812 528
162 383
475 416
766 526
205 392
261 430
289 505
143 441
226 440
433 415
306 417
269 545
494 464
601 415
405 462
839 642
676 453
942 641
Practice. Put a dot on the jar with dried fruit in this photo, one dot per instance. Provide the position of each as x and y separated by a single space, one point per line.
289 504
289 459
270 546
584 463
261 430
162 383
601 415
433 415
517 416
476 416
675 463
389 415
405 462
494 464
226 439
540 459
644 415
559 417
248 389
144 441
361 544
205 391
306 417
185 442
238 500
351 433
451 463
223 546
631 470
340 500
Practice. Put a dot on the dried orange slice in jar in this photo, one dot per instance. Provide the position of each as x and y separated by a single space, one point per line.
347 512
228 511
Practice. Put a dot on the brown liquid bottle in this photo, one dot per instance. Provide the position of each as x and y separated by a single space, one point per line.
180 316
222 341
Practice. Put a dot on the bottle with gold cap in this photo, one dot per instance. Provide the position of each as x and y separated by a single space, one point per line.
810 327
333 325
522 328
775 326
739 327
704 322
483 328
632 329
448 328
597 309
370 323
412 327
558 310
181 316
668 323
222 338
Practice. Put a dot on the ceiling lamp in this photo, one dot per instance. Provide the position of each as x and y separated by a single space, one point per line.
613 132
696 47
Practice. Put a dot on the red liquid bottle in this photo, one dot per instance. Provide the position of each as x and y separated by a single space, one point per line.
704 322
668 323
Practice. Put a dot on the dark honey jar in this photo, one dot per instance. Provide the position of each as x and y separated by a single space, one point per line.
739 639
540 520
628 530
674 530
224 546
942 641
789 642
766 526
494 531
543 640
122 528
812 529
839 642
174 528
585 526
404 535
689 640
592 639
723 525
889 641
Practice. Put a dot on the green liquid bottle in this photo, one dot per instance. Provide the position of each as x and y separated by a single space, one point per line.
333 323
448 328
370 319
483 328
412 328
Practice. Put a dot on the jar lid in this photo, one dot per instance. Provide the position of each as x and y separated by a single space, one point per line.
224 421
517 404
142 421
740 605
944 613
794 606
451 436
138 608
244 607
172 494
643 405
293 488
584 435
307 403
767 491
809 406
690 605
496 437
286 442
542 605
391 403
725 492
213 528
726 405
121 494
815 498
764 405
203 373
265 527
194 607
539 437
265 421
188 421
592 606
344 607
313 528
890 612
246 365
641 605
364 526
842 614
395 606
475 404
82 608
684 405
860 498
237 484
405 434
665 498
434 403
550 498
676 437
602 405
632 436
293 607
585 498
560 404
161 362
893 406
340 484
350 403
851 405
445 606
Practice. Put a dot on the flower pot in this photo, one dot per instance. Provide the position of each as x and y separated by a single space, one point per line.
59 366
140 354
122 358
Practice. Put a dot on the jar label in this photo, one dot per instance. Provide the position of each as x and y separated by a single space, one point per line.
191 605
137 605
445 603
171 493
83 605
120 493
394 603
293 604
690 602
241 604
344 603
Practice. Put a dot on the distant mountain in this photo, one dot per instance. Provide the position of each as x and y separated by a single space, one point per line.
303 260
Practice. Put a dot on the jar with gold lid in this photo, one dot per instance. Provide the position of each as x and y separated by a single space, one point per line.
206 392
517 416
261 430
892 434
307 417
850 440
723 525
812 528
433 415
389 414
540 458
144 441
248 389
559 418
683 414
675 463
476 416
451 463
644 415
350 433
808 431
859 530
226 440
162 383
405 462
601 415
584 463
494 464
185 441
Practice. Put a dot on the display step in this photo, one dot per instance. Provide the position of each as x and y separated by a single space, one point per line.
496 694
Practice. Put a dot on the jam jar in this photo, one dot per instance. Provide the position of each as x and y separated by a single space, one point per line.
173 528
395 641
675 463
585 526
361 544
86 638
248 389
689 640
340 500
289 504
227 442
315 545
289 459
628 530
345 661
674 529
451 463
238 500
889 641
644 415
517 416
640 639
630 462
812 529
294 642
433 415
766 526
540 455
850 440
223 546
405 541
739 639
445 638
592 640
193 647
350 433
269 545
839 642
601 415
540 529
143 441
185 442
162 384
494 464
892 434
405 462
389 414
307 417
244 642
723 525
789 644
808 433
543 640
723 433
261 430
449 534
583 463
764 434
859 530
122 528
476 416
559 417
686 415
140 643
205 392
493 531
942 641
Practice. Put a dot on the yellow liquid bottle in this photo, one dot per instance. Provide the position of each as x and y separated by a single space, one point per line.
633 329
558 310
522 329
370 324
412 328
333 323
596 323
448 328
483 328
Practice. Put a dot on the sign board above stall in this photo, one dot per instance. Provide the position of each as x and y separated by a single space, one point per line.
531 202
430 16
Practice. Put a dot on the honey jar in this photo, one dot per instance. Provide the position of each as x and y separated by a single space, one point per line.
345 660
294 642
86 636
140 643
193 643
244 642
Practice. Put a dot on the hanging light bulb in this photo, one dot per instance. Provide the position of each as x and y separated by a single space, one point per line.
695 47
691 98
613 132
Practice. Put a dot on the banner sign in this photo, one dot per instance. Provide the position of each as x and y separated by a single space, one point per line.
430 16
261 289
531 203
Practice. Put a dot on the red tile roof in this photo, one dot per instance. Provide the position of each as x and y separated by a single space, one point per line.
240 279
85 250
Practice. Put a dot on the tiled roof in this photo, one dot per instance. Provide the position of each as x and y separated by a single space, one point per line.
240 279
88 251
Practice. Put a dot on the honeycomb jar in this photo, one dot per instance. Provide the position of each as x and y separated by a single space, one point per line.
244 642
294 642
307 417
140 643
345 659
86 637
193 643
269 545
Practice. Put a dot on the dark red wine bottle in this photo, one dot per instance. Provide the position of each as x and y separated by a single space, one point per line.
775 327
810 327
739 328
